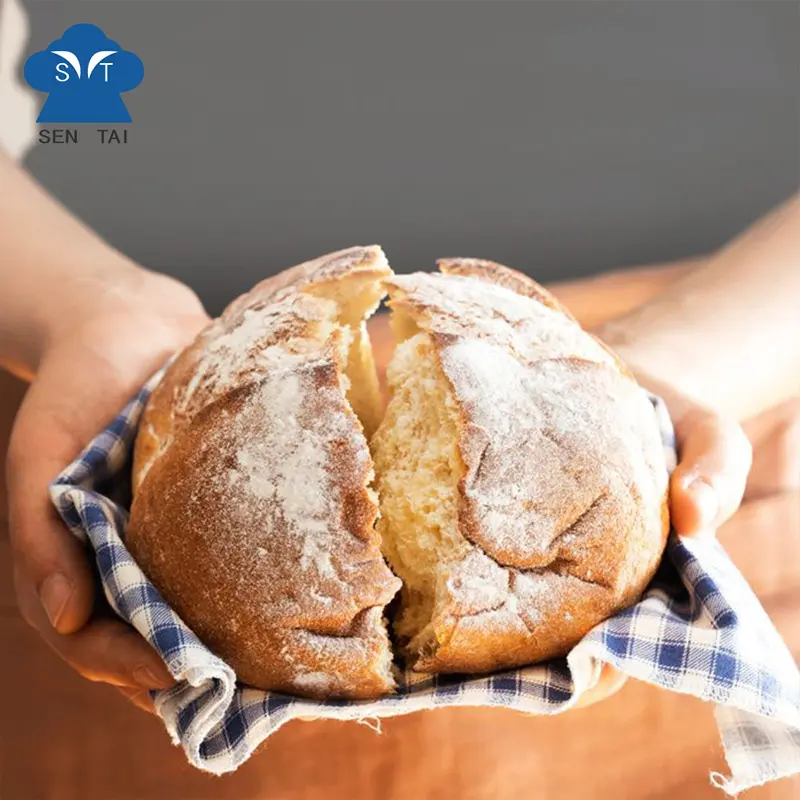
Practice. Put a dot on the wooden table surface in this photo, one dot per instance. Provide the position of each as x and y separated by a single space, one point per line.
63 738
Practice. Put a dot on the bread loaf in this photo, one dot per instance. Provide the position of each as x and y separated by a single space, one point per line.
518 469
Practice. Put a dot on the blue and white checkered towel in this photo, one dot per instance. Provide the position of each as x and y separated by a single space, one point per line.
698 630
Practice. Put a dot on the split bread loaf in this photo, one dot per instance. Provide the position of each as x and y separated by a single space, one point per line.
514 495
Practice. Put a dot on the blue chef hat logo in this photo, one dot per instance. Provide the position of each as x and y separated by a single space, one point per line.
84 73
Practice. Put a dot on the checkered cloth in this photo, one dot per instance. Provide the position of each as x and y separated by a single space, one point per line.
698 630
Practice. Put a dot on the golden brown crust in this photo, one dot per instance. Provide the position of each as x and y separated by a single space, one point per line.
252 512
563 495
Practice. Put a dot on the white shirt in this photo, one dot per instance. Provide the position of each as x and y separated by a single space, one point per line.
18 103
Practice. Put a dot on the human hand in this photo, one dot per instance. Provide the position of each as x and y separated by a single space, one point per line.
91 363
714 454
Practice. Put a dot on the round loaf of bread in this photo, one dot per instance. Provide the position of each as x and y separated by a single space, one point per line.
520 469
514 486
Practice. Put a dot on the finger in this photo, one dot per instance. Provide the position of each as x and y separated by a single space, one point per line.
139 697
610 682
708 485
105 650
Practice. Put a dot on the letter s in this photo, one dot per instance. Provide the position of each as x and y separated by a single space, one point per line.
63 70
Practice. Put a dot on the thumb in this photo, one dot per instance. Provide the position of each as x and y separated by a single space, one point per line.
708 485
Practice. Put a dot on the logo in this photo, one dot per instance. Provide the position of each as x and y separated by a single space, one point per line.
84 73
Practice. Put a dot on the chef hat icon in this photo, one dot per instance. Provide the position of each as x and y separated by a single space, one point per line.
84 73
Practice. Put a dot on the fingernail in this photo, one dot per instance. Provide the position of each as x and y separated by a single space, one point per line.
706 500
54 595
147 679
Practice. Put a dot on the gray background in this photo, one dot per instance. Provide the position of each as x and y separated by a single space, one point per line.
561 138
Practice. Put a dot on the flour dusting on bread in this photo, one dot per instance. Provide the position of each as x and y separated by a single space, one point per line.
518 470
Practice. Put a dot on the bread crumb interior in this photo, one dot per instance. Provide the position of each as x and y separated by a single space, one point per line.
414 444
418 466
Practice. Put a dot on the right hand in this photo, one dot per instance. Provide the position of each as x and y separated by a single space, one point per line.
92 362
